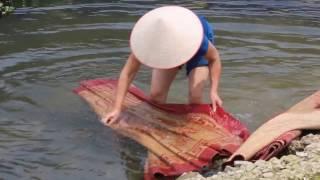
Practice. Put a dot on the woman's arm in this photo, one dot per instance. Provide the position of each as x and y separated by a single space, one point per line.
213 57
126 77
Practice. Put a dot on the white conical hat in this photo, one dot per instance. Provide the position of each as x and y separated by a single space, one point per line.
166 37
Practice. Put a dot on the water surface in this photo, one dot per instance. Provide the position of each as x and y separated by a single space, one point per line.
270 51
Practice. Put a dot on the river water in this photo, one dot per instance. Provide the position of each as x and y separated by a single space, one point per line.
270 51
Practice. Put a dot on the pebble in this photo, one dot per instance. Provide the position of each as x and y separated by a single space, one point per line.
267 175
301 154
239 163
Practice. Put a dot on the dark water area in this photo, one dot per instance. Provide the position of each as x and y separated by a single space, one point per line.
270 53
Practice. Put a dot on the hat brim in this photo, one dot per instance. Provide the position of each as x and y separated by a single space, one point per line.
166 37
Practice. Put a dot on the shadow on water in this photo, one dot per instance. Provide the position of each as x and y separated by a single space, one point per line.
269 49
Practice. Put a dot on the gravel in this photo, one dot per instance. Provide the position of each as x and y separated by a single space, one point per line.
301 162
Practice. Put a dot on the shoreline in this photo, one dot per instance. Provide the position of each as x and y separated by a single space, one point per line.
300 161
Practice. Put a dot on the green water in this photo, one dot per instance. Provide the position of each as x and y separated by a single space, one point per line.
270 52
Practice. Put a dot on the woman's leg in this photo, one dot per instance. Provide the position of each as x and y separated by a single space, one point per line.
160 83
197 80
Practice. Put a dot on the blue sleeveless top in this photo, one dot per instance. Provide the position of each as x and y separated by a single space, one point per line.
198 59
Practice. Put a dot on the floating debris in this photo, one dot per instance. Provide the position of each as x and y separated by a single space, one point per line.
6 7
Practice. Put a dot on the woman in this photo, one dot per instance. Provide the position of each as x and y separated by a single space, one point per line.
165 39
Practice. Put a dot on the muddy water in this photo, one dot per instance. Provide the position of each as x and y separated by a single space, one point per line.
270 51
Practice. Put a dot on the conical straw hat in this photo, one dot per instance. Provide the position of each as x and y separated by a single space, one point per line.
166 37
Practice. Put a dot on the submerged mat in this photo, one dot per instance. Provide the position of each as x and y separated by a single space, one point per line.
280 129
179 138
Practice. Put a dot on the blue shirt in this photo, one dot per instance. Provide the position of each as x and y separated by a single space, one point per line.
198 59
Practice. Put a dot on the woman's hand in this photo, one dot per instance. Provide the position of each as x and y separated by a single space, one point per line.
112 117
216 100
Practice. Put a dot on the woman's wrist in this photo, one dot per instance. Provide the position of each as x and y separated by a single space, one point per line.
117 108
214 90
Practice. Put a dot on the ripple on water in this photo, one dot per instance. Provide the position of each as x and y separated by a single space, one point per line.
269 49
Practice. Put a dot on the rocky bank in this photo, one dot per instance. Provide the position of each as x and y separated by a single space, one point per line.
302 161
